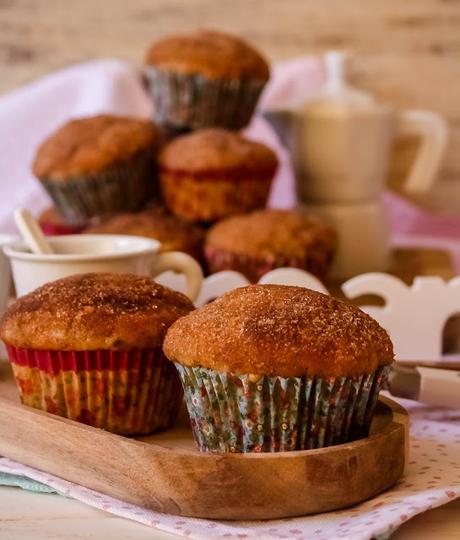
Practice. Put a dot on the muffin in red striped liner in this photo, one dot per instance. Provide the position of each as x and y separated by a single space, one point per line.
258 242
211 174
88 347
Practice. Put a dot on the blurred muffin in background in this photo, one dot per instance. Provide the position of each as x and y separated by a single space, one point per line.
52 224
99 165
213 173
256 243
205 78
175 234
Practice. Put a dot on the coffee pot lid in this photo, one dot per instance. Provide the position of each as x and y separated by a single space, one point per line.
337 94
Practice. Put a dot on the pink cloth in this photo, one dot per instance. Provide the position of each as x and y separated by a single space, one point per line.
432 478
28 114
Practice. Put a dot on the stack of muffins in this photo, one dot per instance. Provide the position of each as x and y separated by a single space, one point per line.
264 368
188 178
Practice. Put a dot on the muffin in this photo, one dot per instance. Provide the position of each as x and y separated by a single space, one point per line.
270 368
99 165
52 224
175 234
256 243
205 78
88 347
213 173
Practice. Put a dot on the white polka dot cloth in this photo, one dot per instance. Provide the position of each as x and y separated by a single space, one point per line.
432 478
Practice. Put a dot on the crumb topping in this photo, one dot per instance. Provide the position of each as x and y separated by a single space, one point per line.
272 233
88 145
217 150
93 311
279 330
209 53
173 232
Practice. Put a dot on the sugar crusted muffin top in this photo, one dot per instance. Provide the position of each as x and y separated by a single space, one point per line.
209 53
216 150
88 145
279 330
93 311
173 232
271 233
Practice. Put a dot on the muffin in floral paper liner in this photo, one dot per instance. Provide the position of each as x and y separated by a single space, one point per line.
99 165
204 79
213 173
174 233
270 368
88 347
52 224
256 243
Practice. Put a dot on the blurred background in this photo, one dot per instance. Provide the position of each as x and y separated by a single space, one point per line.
406 53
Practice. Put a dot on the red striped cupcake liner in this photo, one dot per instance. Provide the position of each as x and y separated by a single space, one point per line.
318 263
126 392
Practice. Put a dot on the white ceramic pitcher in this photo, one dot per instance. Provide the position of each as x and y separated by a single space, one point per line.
340 142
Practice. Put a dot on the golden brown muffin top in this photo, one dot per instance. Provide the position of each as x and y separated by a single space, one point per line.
88 145
216 150
173 232
93 311
271 233
212 54
279 330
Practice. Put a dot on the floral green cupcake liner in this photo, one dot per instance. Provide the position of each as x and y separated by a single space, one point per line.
257 413
123 187
193 101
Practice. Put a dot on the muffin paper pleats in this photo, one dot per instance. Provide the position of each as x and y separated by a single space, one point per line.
318 262
135 392
257 413
193 101
119 188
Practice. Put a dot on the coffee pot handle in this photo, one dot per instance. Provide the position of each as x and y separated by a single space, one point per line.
184 264
432 130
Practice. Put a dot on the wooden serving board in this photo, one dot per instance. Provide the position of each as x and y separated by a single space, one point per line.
166 473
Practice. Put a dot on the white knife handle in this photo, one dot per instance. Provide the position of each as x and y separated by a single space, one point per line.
440 387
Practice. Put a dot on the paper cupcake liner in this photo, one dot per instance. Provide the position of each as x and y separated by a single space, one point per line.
124 187
318 263
193 101
135 392
56 229
210 198
252 413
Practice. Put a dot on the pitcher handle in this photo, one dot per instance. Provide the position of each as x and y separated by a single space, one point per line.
184 264
433 131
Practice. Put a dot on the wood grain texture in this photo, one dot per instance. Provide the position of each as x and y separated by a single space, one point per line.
165 473
407 53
